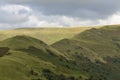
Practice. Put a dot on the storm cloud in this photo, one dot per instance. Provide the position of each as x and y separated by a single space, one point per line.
60 13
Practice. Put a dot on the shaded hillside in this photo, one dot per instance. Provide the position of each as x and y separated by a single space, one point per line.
73 49
96 46
105 41
32 59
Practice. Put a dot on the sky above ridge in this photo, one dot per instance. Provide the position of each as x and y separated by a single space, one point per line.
58 13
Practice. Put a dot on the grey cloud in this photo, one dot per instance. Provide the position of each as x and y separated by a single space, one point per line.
86 9
59 12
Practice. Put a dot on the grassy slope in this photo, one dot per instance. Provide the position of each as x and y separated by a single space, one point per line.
48 35
21 64
103 41
28 57
95 45
100 41
18 67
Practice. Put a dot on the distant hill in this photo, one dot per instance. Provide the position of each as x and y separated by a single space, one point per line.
48 35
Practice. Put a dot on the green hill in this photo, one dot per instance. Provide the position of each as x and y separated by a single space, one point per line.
90 55
31 59
97 46
104 41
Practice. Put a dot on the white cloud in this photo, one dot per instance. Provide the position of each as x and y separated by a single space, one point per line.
113 19
15 8
34 21
14 14
75 21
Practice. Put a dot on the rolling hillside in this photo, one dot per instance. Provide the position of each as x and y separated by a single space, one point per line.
100 41
31 59
93 54
96 45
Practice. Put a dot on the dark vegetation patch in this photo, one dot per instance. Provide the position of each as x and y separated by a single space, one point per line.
3 51
49 75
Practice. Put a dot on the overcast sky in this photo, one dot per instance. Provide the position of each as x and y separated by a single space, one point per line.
58 13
